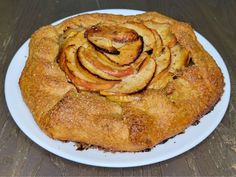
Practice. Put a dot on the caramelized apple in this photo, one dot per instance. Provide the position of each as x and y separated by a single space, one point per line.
78 75
161 80
121 45
163 29
147 34
179 58
108 38
135 82
98 64
163 60
128 53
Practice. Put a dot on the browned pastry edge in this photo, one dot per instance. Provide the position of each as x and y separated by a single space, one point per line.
65 114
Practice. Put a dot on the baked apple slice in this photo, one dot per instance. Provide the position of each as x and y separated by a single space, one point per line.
127 53
110 37
138 62
75 38
157 46
164 30
121 45
163 60
146 33
161 80
135 82
179 58
78 75
70 33
98 64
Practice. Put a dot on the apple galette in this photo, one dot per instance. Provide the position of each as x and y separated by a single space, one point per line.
122 83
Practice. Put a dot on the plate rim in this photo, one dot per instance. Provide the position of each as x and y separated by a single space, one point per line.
135 164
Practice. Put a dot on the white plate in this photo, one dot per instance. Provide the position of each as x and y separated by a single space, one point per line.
178 145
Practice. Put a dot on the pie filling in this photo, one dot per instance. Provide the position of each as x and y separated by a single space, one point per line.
117 61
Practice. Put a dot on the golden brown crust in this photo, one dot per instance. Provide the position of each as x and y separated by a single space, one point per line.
64 113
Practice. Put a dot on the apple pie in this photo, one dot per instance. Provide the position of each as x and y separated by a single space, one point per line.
121 83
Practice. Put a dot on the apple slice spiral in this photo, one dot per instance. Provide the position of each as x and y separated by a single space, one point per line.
120 60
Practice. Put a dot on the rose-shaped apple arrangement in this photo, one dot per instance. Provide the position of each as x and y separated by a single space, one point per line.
121 60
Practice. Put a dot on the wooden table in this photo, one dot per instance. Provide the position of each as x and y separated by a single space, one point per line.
215 19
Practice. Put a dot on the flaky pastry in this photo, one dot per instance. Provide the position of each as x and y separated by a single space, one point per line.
123 83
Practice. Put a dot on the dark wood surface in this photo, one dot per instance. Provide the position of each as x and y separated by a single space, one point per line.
215 19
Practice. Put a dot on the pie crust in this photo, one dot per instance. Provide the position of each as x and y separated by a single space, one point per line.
169 80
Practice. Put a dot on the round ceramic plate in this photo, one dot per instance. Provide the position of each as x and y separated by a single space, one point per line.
173 147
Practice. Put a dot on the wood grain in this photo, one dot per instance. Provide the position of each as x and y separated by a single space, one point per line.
215 19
